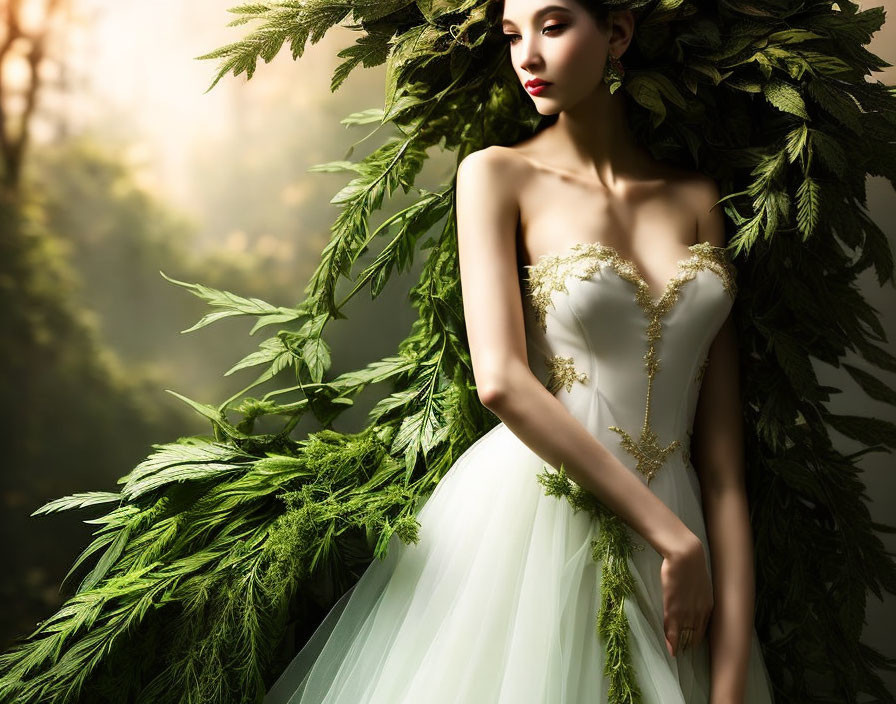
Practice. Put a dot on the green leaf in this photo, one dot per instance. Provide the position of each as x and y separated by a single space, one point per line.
786 98
78 500
316 354
232 305
871 385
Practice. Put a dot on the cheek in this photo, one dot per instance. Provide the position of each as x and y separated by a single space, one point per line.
565 55
578 60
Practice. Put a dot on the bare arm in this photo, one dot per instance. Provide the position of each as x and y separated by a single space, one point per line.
719 461
487 214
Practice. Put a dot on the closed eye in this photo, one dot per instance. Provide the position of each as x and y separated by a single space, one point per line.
510 38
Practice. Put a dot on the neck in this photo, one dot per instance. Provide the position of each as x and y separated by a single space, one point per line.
594 138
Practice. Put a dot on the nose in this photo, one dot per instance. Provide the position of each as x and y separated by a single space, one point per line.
530 54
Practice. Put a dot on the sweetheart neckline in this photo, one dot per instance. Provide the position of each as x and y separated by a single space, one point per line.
570 251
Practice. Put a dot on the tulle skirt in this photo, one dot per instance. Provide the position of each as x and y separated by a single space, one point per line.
497 603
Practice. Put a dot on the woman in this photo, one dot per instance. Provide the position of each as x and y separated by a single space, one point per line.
596 327
495 603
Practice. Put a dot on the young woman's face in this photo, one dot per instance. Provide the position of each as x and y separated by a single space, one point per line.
557 41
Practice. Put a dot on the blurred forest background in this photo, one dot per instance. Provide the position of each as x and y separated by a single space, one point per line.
115 165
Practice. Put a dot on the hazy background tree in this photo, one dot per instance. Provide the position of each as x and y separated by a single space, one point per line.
94 206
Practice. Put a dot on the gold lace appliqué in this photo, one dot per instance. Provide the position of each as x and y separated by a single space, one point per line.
562 373
550 273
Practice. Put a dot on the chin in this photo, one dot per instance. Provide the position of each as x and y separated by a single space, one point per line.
544 108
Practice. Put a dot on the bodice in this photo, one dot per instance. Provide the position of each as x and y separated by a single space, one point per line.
627 365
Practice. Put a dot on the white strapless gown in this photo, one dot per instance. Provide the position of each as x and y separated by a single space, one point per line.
497 602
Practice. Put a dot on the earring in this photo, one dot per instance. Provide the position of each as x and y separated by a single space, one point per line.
613 72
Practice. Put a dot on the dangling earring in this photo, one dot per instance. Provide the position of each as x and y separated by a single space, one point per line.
613 72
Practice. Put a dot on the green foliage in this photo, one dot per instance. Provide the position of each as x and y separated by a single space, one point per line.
611 550
231 531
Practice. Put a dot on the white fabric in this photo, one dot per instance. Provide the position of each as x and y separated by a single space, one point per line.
497 602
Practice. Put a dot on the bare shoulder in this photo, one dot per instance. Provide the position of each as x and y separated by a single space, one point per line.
700 193
495 169
709 214
698 186
706 192
487 206
488 188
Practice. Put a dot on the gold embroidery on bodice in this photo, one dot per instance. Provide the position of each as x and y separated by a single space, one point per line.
551 272
562 373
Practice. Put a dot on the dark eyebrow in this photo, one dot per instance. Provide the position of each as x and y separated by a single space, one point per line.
542 11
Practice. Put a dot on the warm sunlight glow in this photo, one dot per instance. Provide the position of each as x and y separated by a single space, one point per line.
16 74
33 15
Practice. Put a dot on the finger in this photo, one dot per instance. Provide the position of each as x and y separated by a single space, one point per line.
672 638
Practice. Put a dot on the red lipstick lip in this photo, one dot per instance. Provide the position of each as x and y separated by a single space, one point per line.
537 86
